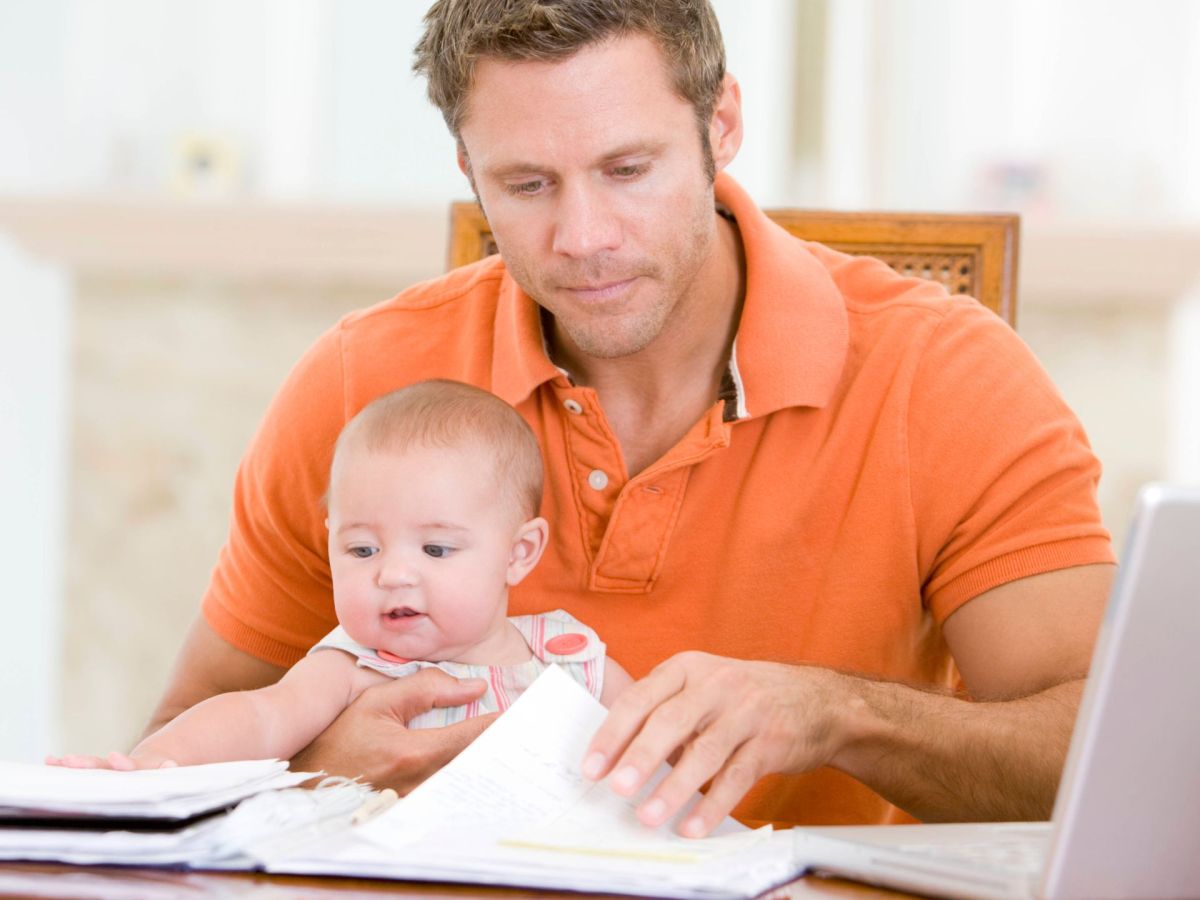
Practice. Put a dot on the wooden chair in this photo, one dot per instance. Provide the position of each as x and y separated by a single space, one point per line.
969 254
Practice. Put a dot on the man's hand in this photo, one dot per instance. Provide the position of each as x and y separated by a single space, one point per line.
728 720
370 740
1022 648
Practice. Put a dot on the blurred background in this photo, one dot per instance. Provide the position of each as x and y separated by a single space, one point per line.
191 192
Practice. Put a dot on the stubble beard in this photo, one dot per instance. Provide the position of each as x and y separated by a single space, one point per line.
626 332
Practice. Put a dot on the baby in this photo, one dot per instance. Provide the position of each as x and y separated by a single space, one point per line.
432 515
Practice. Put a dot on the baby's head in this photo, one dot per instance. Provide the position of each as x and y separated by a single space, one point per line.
433 500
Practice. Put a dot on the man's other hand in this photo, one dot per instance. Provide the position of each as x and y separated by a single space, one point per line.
726 720
370 739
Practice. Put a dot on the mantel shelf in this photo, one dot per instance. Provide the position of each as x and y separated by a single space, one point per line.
230 239
1059 264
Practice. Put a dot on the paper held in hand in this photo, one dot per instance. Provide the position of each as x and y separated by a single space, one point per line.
514 809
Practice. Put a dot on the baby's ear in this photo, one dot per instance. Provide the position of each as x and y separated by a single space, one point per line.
528 547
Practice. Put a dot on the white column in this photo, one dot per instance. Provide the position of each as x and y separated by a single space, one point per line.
758 50
850 105
293 136
35 301
1183 404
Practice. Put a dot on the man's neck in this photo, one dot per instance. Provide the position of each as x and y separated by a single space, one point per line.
652 398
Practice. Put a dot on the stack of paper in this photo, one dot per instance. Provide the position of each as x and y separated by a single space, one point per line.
87 816
31 791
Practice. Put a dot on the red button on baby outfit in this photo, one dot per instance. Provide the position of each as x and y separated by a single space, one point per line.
391 657
566 644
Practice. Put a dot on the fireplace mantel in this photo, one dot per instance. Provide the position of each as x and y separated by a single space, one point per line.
156 237
1060 264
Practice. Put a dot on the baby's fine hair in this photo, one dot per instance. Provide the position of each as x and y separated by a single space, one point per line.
441 413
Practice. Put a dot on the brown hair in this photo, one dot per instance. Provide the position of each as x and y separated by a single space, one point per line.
459 32
439 413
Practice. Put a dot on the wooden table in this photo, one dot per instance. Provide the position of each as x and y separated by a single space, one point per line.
114 883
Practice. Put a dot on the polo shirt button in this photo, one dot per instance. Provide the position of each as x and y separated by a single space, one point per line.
573 406
597 479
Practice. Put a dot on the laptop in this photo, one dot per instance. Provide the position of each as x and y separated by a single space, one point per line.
1127 815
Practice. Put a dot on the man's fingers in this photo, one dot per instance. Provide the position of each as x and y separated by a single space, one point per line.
426 750
457 691
729 786
408 697
704 757
625 720
676 722
456 737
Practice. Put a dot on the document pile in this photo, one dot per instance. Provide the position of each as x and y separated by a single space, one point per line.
158 816
512 809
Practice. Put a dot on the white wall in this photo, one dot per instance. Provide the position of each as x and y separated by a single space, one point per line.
34 345
34 339
1067 109
32 136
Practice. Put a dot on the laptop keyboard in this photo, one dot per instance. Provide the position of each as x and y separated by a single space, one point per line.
1018 852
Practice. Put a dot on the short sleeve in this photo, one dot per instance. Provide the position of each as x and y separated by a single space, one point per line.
270 594
558 637
1003 479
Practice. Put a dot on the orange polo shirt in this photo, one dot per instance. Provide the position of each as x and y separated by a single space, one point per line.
884 453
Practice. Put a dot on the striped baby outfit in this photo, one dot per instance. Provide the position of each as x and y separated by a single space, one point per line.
554 637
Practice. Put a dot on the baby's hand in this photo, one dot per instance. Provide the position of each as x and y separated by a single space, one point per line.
114 760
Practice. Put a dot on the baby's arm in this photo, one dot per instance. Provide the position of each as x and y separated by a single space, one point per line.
616 679
277 721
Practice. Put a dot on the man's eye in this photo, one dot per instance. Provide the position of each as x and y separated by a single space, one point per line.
630 171
525 188
437 551
363 552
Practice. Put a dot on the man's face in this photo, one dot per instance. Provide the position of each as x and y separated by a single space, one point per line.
592 177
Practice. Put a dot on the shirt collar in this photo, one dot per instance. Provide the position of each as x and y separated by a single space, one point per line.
793 336
791 342
520 363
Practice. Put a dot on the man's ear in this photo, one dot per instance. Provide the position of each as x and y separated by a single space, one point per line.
725 129
527 549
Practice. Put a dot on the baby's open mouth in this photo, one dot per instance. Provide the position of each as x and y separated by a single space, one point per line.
403 612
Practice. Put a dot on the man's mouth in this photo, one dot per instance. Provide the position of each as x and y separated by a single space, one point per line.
600 290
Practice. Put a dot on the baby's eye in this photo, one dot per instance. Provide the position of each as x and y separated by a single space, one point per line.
437 551
363 552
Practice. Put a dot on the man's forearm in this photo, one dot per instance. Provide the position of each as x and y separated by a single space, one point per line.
942 758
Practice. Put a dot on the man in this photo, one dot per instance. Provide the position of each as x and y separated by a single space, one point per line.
800 497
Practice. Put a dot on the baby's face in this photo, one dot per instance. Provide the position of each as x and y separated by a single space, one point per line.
420 544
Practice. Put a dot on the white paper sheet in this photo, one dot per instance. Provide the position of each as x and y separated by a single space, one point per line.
514 808
174 793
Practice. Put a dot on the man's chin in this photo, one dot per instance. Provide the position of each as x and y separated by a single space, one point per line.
611 345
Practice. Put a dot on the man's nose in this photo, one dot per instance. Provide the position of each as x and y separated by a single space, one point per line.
585 223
